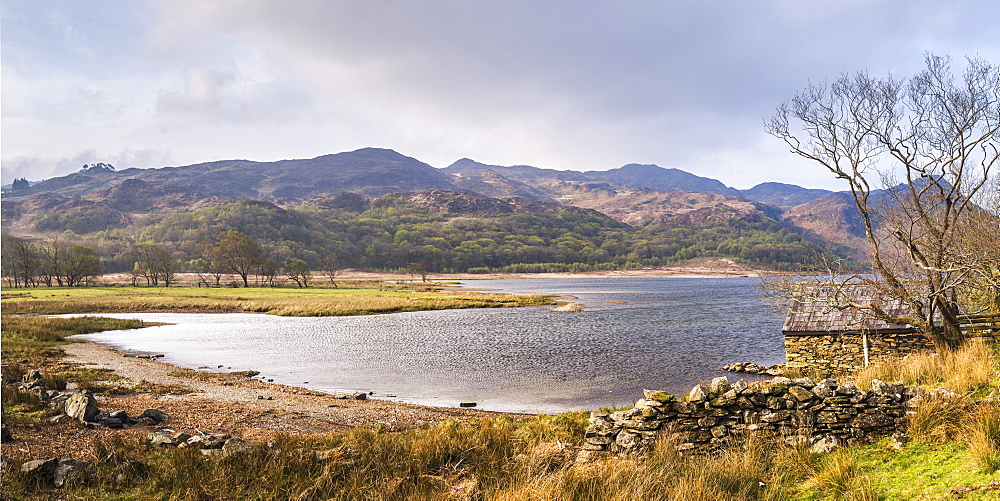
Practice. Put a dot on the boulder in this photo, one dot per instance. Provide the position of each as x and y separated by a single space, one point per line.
70 472
158 439
181 437
234 445
719 385
114 423
40 469
154 415
698 394
206 442
5 435
82 406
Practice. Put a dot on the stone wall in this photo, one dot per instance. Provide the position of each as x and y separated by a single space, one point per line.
841 353
823 414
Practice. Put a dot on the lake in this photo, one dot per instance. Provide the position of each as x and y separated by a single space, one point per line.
635 333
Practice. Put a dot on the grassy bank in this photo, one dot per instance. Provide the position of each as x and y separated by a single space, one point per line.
312 301
955 447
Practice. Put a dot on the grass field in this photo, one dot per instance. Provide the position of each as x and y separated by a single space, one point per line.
955 446
276 301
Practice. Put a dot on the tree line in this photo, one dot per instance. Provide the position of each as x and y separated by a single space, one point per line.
249 239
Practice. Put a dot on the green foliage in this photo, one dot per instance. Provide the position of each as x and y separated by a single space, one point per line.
393 233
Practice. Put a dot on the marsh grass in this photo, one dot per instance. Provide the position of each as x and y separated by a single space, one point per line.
276 301
34 338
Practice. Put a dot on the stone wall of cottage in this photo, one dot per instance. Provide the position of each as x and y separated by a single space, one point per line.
824 414
835 354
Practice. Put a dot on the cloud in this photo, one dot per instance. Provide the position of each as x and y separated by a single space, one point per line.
559 84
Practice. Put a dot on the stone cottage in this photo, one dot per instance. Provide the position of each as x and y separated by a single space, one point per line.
819 335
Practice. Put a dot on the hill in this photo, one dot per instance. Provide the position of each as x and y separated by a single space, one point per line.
353 204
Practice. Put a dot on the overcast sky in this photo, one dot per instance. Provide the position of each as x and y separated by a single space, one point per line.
583 85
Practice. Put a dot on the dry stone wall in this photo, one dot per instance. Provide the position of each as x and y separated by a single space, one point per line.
824 414
841 353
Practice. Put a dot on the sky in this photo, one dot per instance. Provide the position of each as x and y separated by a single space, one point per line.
560 84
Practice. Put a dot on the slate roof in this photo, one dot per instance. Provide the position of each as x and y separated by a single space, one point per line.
811 312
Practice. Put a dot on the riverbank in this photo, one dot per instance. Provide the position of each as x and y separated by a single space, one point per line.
217 403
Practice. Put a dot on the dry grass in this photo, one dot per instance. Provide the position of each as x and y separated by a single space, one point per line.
276 301
968 370
939 418
982 430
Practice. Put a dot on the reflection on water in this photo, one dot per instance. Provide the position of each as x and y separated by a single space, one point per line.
660 333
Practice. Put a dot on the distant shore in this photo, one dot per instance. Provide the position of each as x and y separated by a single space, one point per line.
705 268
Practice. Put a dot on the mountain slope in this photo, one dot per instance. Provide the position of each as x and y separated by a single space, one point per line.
654 177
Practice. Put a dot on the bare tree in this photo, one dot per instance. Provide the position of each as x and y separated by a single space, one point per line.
915 154
331 268
53 255
21 262
155 263
79 265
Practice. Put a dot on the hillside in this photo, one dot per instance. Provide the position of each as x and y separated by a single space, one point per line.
353 204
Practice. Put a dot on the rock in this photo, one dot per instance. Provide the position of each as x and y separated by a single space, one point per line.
159 438
5 435
70 472
180 437
234 444
740 386
113 423
824 444
658 396
32 377
82 406
823 390
800 394
154 415
122 415
698 394
361 396
206 442
467 404
719 385
40 469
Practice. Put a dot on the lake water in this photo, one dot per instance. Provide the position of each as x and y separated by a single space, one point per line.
635 333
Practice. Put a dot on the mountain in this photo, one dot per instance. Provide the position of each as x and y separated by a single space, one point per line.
387 184
654 177
833 219
370 171
783 195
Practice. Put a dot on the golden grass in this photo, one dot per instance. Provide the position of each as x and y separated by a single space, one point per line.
970 369
982 430
276 301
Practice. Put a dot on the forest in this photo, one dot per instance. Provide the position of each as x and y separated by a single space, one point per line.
394 234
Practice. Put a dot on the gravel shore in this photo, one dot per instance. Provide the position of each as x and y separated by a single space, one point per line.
222 404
